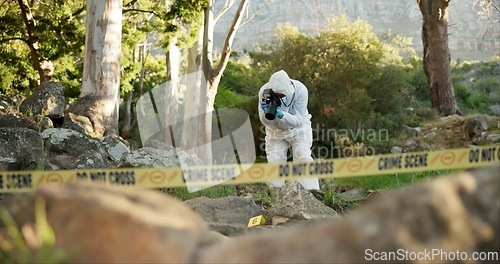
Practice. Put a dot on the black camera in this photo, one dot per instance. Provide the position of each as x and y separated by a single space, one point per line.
273 101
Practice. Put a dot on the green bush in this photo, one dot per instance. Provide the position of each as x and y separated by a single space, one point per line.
6 80
416 79
488 85
478 101
462 93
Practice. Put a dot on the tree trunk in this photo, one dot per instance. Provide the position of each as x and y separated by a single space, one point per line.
200 96
191 134
436 55
172 91
43 66
101 68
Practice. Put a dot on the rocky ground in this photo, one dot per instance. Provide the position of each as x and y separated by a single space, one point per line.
93 223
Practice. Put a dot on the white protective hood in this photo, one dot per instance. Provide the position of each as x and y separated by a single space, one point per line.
281 83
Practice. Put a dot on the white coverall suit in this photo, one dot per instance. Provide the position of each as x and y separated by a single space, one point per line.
293 129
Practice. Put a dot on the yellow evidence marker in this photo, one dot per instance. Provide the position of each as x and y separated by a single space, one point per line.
256 221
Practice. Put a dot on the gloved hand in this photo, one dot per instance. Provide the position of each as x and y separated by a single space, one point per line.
279 114
264 105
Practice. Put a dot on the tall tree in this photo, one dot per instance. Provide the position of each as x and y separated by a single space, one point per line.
436 55
101 68
44 67
183 23
206 88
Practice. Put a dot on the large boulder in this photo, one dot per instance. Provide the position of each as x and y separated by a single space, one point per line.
158 154
85 116
103 224
228 215
14 120
474 126
61 140
21 149
69 149
296 203
48 100
115 147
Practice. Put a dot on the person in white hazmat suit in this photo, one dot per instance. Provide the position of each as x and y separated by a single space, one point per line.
291 127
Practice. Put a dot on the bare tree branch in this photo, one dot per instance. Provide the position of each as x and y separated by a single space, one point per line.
484 12
493 4
485 6
138 10
255 13
228 42
14 38
77 12
227 5
130 3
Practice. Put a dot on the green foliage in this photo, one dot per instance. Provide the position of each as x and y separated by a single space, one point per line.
488 85
6 80
212 192
355 80
477 86
183 20
60 32
227 98
462 93
417 80
63 22
68 72
58 22
240 79
387 89
389 181
478 101
338 62
396 48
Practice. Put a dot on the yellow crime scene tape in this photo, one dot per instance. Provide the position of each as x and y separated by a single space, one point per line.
200 176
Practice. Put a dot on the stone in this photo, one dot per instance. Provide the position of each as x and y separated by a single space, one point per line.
91 160
494 138
228 215
78 123
297 203
149 157
61 162
14 120
85 116
44 122
474 126
115 147
154 157
411 131
48 100
396 150
430 136
21 149
354 194
110 224
62 140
